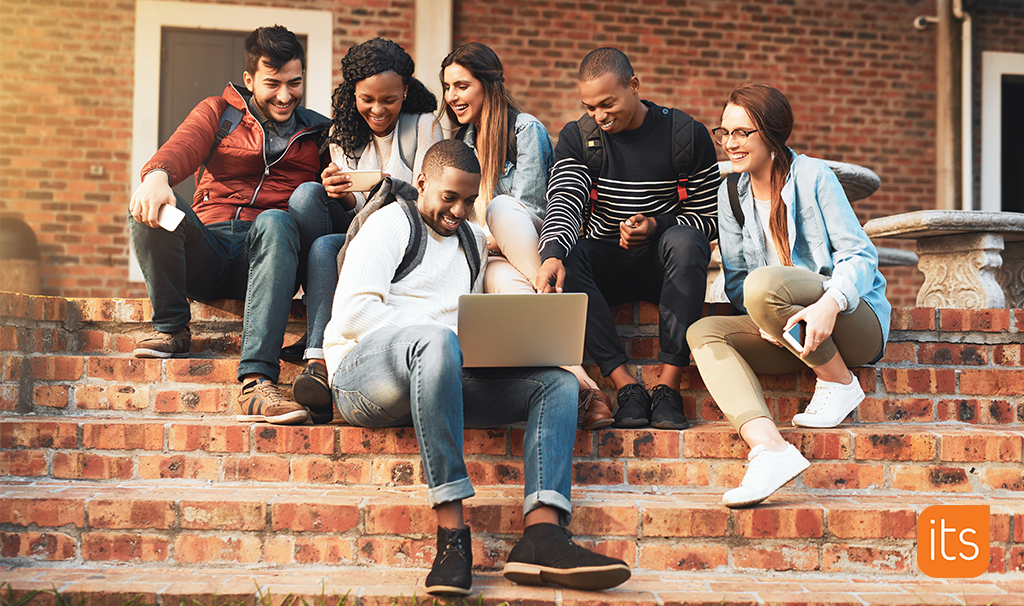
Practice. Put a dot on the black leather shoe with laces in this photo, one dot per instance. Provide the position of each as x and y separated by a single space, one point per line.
452 571
547 554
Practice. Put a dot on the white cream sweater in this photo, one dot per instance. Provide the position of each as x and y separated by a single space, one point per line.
366 300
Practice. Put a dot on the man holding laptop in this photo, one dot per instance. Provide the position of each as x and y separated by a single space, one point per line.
396 361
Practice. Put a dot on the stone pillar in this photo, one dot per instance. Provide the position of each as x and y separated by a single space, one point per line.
960 271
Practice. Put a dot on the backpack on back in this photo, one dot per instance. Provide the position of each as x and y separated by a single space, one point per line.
593 152
229 121
388 191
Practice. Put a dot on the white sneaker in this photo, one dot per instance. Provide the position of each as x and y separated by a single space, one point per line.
767 472
830 404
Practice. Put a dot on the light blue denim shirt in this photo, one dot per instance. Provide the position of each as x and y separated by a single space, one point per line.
527 179
829 239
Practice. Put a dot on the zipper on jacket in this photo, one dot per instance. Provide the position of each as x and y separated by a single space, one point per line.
266 170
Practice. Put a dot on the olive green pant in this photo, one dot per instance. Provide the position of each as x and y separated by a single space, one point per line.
729 349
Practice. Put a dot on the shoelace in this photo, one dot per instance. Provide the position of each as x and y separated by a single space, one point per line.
820 402
754 468
452 544
269 392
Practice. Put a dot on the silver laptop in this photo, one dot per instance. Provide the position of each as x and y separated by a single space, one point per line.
522 330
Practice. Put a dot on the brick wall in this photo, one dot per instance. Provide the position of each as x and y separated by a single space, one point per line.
861 80
66 88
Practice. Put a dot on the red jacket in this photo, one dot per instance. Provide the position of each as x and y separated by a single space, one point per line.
238 183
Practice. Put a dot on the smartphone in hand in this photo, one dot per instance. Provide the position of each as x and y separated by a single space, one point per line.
169 217
795 336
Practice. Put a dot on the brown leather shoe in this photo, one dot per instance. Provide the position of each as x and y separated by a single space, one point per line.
594 409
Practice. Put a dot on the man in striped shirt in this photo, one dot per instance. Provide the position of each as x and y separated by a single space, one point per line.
638 230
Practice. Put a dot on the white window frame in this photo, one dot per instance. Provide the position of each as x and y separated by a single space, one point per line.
151 16
993 66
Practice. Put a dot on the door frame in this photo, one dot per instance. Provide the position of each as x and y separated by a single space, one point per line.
151 16
993 66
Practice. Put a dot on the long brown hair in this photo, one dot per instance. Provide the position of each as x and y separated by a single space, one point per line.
492 129
773 117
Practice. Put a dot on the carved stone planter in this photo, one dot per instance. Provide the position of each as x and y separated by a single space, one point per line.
970 259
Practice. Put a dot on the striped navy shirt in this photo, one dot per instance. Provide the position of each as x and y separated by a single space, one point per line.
639 176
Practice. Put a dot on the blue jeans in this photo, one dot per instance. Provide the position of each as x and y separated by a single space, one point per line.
316 214
323 281
395 377
255 261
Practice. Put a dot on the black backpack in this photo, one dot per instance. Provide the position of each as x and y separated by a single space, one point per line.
229 121
511 151
388 191
593 151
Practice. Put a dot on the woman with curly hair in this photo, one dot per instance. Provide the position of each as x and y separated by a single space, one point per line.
378 93
515 160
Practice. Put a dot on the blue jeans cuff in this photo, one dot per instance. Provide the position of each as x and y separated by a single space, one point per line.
452 491
551 498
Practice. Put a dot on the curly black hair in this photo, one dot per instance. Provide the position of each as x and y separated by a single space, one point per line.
363 60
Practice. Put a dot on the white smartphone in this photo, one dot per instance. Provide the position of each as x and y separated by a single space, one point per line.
363 180
169 217
795 336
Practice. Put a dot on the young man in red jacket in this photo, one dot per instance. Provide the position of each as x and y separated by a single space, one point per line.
236 240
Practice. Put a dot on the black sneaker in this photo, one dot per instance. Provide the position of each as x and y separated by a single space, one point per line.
163 345
547 554
311 390
667 409
452 571
634 406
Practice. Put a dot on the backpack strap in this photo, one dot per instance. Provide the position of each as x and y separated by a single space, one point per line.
593 158
417 245
732 184
407 139
682 148
383 194
229 121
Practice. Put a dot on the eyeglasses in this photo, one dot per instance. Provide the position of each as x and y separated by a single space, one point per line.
722 136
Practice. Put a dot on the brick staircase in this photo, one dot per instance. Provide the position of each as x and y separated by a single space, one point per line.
130 476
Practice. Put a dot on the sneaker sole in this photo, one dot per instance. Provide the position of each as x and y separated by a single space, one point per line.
670 425
142 352
310 392
795 471
811 424
448 590
631 423
291 418
584 577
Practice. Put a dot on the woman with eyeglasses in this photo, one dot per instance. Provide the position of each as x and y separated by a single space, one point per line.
515 160
796 260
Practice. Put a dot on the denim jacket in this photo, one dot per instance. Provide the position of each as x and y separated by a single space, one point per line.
527 179
829 239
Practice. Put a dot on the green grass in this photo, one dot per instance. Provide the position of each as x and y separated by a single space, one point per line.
40 597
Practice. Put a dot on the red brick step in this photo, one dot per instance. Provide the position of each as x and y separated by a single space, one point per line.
191 523
382 586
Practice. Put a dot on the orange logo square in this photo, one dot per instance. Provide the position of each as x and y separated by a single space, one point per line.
953 541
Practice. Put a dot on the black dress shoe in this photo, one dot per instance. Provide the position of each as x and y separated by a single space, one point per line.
295 352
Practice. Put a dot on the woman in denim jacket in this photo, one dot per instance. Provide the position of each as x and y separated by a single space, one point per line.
515 156
802 259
